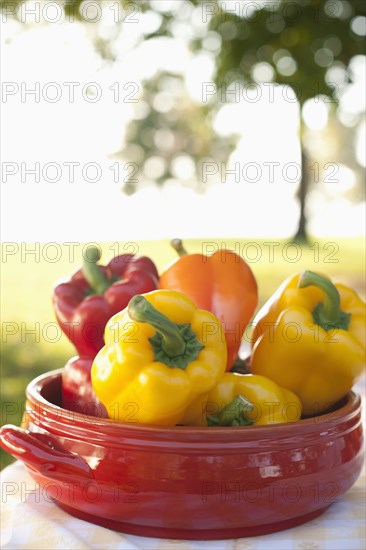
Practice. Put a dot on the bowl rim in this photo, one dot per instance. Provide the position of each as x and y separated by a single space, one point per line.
350 408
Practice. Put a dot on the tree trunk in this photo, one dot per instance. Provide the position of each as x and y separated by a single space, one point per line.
301 235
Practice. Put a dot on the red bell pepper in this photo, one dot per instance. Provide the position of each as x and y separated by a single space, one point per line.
77 390
85 303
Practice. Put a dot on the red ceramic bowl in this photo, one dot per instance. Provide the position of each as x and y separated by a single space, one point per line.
182 482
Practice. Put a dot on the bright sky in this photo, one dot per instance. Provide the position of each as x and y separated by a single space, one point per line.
70 134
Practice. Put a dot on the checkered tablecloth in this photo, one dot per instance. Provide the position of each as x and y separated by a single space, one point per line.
30 520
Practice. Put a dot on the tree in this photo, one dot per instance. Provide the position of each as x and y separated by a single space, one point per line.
297 43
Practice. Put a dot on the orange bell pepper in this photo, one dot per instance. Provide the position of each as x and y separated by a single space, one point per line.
222 283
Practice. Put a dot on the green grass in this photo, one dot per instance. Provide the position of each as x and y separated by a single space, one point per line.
27 281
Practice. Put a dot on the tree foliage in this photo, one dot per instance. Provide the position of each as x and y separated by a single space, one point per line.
297 41
173 132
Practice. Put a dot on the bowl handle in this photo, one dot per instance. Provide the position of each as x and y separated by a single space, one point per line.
44 454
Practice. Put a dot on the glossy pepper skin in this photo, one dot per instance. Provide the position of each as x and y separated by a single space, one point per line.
222 283
77 390
84 303
160 354
242 400
310 338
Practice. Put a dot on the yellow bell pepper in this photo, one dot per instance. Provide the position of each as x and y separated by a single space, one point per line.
242 400
310 338
160 354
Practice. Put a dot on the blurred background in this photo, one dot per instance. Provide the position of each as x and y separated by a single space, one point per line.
237 122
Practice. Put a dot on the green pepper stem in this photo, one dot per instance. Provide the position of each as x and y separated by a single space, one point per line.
140 310
177 244
232 414
92 272
327 314
173 344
